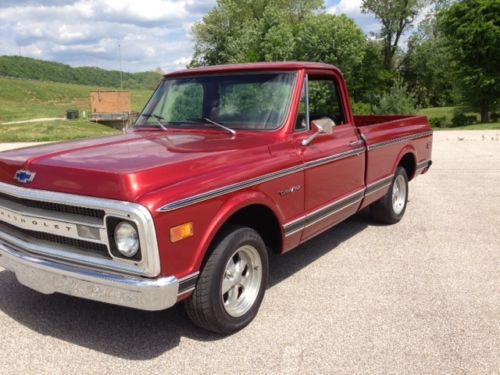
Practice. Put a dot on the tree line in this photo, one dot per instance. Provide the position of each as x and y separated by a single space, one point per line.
451 58
28 68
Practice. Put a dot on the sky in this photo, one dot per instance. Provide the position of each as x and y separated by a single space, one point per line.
148 34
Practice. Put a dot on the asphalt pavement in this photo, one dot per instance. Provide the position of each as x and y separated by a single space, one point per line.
418 297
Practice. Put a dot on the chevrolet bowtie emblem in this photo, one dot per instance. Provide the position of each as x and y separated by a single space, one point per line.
24 176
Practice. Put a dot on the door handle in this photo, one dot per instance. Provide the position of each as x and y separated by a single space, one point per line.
357 143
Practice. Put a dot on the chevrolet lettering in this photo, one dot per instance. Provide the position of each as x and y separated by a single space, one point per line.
225 165
37 223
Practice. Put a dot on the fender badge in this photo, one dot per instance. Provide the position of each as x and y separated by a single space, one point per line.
293 189
23 176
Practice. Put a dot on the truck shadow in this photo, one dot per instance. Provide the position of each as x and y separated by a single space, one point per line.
283 266
138 335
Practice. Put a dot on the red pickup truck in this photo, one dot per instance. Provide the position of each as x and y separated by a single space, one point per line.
224 165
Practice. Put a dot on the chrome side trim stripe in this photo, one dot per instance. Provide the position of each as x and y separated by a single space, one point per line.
322 213
423 165
399 140
228 189
188 283
335 208
329 159
378 185
257 180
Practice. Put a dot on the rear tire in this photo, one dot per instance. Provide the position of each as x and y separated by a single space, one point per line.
392 206
232 284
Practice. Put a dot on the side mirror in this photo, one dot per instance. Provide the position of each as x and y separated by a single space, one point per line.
323 125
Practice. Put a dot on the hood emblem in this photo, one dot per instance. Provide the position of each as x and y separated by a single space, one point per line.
24 176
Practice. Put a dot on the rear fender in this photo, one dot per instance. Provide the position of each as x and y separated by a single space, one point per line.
408 149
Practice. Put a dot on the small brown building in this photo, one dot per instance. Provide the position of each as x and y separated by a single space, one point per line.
111 108
110 101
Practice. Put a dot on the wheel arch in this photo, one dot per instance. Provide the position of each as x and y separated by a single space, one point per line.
251 209
408 160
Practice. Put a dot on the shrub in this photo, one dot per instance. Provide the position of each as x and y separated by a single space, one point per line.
471 119
460 119
438 122
359 108
494 117
398 100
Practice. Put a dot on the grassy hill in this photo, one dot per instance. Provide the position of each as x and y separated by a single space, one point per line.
28 99
28 68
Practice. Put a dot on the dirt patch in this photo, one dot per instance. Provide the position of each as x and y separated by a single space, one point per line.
43 119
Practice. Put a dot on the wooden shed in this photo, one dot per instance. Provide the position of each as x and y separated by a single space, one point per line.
112 108
110 101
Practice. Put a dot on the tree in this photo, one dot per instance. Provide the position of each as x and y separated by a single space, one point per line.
396 17
250 30
396 101
428 66
238 31
371 79
472 28
333 40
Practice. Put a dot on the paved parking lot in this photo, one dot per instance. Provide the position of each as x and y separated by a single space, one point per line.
422 296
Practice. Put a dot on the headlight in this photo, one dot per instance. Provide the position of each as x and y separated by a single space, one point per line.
126 239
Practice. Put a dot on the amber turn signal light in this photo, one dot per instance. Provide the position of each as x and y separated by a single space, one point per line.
181 232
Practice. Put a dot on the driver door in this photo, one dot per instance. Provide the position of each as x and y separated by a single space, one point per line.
334 163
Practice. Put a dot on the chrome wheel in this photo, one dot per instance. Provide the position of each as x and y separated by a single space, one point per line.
241 281
399 194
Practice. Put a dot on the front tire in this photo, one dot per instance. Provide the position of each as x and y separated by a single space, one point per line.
391 208
232 284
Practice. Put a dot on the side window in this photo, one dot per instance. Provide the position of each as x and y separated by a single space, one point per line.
324 100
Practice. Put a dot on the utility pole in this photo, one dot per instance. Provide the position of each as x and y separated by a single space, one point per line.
121 74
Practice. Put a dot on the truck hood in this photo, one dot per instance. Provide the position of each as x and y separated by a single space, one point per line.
125 167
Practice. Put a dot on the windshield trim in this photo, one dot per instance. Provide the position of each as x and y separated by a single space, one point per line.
287 110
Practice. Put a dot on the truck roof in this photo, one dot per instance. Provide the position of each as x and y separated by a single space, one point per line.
286 65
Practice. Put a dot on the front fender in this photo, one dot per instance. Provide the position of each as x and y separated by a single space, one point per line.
232 205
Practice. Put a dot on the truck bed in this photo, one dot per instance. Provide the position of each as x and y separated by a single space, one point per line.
379 119
387 138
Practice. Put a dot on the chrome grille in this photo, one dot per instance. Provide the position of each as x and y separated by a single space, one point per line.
29 235
73 228
57 207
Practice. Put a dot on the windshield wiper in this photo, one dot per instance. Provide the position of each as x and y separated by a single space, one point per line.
158 119
232 131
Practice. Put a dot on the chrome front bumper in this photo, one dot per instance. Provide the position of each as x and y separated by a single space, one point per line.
46 276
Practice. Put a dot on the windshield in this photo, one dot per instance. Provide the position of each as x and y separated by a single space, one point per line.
239 101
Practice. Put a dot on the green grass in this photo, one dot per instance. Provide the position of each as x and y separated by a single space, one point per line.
53 131
27 99
446 112
489 126
449 112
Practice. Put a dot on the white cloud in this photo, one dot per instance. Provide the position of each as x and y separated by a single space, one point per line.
151 33
352 9
182 62
367 22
